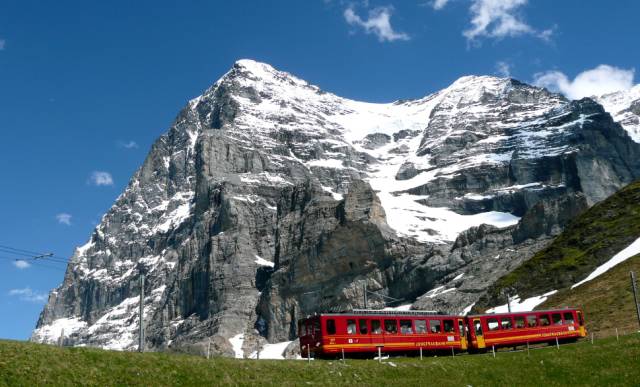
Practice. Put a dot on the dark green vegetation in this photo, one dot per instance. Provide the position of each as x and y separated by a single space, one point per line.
607 362
607 300
589 241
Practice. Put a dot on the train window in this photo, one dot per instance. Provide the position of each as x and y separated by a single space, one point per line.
391 326
519 322
531 321
449 327
544 320
304 329
492 324
351 327
460 328
405 327
478 327
506 323
435 326
331 326
421 326
363 327
580 319
375 327
556 318
568 318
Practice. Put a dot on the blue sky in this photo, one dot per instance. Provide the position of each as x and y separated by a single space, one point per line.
87 86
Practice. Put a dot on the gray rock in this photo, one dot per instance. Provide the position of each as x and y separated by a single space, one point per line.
260 206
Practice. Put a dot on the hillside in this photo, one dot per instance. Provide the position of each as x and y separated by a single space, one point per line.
607 300
588 241
606 363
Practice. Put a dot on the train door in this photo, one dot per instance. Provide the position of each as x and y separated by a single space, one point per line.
477 330
463 336
582 329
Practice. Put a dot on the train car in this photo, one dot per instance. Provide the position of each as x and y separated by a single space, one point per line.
367 331
520 328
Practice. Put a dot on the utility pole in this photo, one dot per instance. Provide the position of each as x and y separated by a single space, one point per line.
141 333
635 294
364 292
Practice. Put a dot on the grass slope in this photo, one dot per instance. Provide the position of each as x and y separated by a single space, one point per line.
607 362
589 241
607 300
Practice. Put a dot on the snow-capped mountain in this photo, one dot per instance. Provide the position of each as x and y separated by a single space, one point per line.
624 106
269 199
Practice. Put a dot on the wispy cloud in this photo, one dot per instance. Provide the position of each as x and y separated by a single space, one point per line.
100 178
3 44
503 69
594 82
21 264
128 144
29 295
439 4
64 218
378 23
500 19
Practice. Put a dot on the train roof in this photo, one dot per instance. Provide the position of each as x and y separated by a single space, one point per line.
379 312
523 312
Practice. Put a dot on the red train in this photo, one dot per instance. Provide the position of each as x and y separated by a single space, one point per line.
367 331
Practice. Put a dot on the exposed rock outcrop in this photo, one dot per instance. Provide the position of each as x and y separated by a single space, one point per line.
269 199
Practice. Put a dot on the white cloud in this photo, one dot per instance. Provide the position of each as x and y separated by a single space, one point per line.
100 178
128 145
64 218
3 44
503 69
439 4
594 82
21 264
378 23
26 294
500 19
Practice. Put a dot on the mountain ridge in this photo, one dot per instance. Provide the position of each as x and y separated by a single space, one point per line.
269 199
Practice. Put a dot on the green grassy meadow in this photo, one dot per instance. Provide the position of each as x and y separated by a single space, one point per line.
607 362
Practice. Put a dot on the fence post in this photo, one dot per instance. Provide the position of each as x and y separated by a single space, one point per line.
528 348
617 338
380 354
557 343
342 354
453 353
61 338
420 353
635 294
591 337
493 349
308 354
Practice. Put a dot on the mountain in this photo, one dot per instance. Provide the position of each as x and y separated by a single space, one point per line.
269 199
590 241
624 106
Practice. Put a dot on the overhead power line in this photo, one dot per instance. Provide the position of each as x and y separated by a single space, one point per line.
29 255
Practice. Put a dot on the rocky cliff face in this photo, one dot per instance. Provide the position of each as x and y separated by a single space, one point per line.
269 199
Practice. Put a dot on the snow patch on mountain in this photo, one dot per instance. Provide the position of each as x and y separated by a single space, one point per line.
624 107
632 250
518 305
